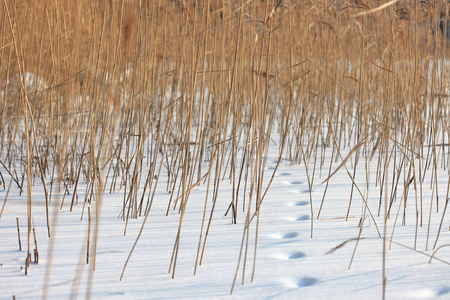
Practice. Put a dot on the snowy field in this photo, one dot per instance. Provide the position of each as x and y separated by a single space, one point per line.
289 263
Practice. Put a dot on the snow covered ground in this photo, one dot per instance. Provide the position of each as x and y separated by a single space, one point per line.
289 263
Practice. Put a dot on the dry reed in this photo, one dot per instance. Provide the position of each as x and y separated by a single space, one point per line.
115 94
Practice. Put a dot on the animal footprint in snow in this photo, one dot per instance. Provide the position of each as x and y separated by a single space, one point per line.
296 182
303 218
298 203
283 174
290 182
291 255
297 255
289 235
443 291
307 281
304 282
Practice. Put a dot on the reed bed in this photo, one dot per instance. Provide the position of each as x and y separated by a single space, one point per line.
120 96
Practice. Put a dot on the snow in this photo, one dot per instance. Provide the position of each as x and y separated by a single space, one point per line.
289 263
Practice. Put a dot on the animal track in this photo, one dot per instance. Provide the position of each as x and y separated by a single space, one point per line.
291 256
289 238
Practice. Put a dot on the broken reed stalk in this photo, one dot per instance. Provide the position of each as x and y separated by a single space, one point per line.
18 235
36 251
6 198
88 235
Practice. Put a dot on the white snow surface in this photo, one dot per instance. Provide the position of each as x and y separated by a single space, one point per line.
290 264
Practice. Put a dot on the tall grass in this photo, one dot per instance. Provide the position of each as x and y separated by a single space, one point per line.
117 93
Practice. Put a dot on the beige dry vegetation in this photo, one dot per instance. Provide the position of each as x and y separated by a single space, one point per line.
118 93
